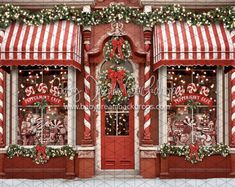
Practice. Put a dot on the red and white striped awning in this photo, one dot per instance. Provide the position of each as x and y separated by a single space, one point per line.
181 44
53 44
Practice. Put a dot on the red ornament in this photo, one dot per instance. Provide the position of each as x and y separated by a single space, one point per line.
117 45
193 151
116 77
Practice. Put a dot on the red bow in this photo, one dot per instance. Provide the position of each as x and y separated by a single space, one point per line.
41 151
117 44
116 76
193 151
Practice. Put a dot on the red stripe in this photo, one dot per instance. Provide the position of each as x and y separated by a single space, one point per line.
199 31
218 44
66 33
40 43
225 39
73 42
8 42
32 43
177 41
208 38
169 42
15 45
57 40
161 43
25 41
184 40
48 46
194 46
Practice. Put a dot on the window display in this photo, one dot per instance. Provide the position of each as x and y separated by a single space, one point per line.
43 117
191 114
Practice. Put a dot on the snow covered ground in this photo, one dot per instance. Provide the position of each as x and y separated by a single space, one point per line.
106 181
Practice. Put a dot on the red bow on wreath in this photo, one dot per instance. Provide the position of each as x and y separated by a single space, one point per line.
117 45
41 151
116 77
193 151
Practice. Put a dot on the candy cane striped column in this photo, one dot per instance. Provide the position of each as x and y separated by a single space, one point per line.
147 97
87 112
1 106
233 107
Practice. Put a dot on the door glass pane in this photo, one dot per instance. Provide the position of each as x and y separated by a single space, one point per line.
191 105
123 124
110 124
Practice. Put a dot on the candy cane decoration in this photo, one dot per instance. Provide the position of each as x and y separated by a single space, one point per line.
191 88
54 90
42 88
87 112
147 116
233 106
204 90
179 91
29 91
1 105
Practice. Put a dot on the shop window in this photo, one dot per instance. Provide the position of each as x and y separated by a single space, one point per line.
42 97
191 105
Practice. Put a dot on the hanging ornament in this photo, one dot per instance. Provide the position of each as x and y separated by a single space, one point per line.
191 88
193 151
179 91
42 88
204 91
55 91
29 91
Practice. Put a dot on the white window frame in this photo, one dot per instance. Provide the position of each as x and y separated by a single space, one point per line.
71 107
163 103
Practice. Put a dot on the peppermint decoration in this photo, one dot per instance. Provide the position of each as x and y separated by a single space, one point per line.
116 85
117 50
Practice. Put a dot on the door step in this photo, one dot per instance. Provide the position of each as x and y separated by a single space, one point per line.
120 174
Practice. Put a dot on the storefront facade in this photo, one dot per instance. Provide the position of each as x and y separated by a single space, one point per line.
79 99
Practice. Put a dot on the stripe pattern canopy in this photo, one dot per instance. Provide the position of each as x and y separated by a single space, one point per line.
181 44
57 43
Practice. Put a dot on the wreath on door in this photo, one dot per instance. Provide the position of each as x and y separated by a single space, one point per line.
116 85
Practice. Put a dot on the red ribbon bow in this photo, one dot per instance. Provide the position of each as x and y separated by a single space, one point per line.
193 151
41 151
117 44
116 77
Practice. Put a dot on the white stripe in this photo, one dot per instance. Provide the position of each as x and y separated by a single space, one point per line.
147 83
233 88
173 41
61 40
221 40
13 38
1 76
198 45
1 130
70 37
189 41
230 43
180 34
147 124
3 45
87 83
1 89
147 97
164 42
233 103
87 69
20 44
233 75
1 116
215 47
27 55
44 43
36 43
205 41
1 103
53 40
87 124
87 97
146 69
233 116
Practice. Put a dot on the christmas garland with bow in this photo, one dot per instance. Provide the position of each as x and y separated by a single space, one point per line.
117 50
194 153
40 154
113 13
116 85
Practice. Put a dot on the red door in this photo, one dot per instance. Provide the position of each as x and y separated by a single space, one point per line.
117 138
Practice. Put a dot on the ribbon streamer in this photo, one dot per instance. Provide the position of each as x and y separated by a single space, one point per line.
117 45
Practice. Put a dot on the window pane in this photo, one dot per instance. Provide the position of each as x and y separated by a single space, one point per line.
191 105
42 93
110 124
123 124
